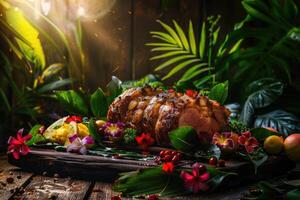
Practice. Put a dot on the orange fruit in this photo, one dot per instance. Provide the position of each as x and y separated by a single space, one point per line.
292 146
273 144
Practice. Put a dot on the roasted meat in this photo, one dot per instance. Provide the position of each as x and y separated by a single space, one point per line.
158 112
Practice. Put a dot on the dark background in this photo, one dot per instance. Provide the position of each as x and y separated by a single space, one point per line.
116 43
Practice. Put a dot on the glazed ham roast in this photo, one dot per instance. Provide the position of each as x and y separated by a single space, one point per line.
158 112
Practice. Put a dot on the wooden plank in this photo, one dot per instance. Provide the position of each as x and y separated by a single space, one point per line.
12 181
102 191
107 169
42 187
83 166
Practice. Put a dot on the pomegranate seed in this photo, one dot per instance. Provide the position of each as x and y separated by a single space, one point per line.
213 161
221 163
202 169
168 158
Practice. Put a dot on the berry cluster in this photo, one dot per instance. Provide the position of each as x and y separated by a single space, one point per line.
168 156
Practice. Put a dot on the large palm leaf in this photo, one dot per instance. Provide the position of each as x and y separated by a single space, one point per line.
182 53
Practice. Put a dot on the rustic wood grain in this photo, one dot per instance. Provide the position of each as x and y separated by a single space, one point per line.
7 190
42 187
102 191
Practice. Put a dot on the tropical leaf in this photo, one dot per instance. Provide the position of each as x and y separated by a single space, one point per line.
150 181
202 41
49 87
4 101
36 136
52 70
282 121
262 93
276 44
72 102
219 92
114 88
92 130
184 139
34 52
98 103
178 51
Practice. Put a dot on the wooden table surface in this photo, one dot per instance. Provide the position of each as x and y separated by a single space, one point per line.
26 185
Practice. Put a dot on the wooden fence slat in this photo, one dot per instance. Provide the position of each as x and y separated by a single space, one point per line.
108 45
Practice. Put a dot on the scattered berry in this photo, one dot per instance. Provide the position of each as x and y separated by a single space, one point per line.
221 163
202 169
168 156
213 161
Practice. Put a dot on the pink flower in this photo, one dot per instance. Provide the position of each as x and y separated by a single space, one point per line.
196 181
249 142
17 145
79 145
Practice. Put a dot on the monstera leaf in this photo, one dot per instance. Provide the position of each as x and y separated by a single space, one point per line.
284 122
263 93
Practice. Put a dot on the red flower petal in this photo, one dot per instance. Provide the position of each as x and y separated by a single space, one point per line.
168 167
242 140
195 171
249 149
16 155
19 134
247 134
186 176
27 137
252 141
191 93
14 141
24 150
204 177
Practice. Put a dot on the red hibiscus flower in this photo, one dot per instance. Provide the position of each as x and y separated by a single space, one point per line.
191 93
168 167
74 118
249 142
171 90
197 180
17 145
144 141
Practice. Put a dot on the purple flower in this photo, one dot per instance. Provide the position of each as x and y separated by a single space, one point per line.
79 145
113 131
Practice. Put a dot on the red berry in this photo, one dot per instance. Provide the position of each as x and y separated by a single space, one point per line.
167 158
202 169
173 153
213 161
175 159
161 153
221 163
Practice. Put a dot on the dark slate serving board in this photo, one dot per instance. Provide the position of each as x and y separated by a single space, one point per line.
107 168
